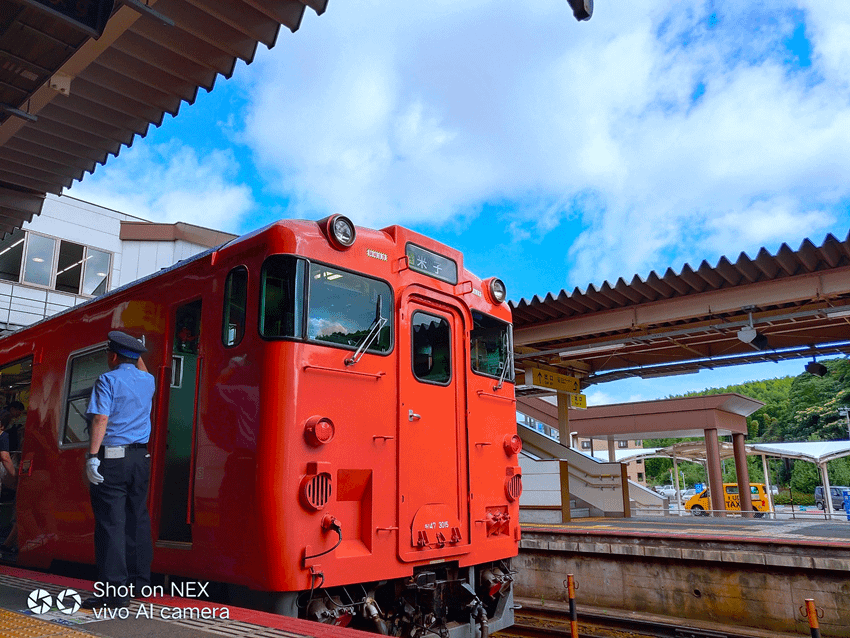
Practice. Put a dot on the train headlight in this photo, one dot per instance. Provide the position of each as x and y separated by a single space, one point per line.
496 290
340 231
512 444
318 430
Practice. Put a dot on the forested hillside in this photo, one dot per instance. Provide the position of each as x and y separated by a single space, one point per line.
801 408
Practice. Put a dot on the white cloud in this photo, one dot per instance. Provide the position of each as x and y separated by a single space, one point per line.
169 183
395 112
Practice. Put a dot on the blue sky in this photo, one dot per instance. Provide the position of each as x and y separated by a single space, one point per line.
553 153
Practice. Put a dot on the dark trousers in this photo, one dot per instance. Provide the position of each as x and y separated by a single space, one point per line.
122 533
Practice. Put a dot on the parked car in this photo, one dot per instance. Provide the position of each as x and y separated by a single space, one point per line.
699 504
667 491
837 492
688 494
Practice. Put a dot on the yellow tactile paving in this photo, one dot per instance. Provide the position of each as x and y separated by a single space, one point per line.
14 625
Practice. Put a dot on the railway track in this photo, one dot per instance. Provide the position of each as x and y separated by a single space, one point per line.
552 619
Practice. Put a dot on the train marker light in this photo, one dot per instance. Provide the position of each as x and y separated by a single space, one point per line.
318 430
512 444
496 290
339 230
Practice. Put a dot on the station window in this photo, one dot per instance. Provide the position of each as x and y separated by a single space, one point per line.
489 346
84 369
585 445
640 476
622 444
432 348
235 300
44 261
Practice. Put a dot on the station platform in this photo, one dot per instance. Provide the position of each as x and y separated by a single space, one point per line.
814 531
27 613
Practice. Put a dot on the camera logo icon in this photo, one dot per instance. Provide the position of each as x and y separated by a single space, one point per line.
68 601
39 601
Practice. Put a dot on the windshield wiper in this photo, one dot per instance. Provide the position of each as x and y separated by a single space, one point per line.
507 362
374 331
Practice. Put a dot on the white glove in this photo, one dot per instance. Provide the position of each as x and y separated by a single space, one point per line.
91 471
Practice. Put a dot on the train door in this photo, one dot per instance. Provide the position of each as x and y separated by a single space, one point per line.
175 510
433 483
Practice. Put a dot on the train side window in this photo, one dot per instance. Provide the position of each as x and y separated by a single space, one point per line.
432 352
235 300
282 297
85 369
489 346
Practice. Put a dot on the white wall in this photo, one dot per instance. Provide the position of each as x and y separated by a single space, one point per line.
90 225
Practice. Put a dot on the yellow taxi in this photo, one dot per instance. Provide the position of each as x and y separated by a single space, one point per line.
700 502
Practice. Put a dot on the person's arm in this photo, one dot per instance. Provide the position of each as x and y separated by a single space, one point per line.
6 460
98 431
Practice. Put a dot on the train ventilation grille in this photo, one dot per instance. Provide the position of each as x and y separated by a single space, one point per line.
316 490
513 487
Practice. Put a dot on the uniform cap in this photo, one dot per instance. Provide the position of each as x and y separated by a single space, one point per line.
125 345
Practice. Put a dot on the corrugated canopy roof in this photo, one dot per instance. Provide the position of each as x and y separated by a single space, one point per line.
798 303
68 101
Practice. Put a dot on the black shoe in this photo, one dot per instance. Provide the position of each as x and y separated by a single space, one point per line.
8 550
94 602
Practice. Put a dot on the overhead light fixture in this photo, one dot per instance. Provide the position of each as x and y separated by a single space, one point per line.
598 347
817 369
835 313
748 334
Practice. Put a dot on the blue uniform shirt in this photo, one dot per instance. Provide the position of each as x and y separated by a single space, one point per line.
124 395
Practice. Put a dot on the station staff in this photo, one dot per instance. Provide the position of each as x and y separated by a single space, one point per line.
118 468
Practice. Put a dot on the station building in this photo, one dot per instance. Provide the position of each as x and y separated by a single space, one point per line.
74 251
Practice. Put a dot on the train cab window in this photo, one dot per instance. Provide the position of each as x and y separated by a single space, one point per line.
345 308
282 297
85 369
432 353
235 299
489 346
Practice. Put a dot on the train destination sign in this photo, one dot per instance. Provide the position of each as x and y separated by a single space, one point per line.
552 381
431 264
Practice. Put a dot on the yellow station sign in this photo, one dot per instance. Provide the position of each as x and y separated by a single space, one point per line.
578 401
552 381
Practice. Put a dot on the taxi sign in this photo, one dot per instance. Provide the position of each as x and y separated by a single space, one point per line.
551 381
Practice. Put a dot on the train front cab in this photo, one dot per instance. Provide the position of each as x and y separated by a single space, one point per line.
403 450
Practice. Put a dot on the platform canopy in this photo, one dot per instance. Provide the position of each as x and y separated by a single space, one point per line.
790 304
665 418
814 451
79 80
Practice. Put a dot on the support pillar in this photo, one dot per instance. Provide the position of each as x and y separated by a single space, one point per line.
742 472
563 419
827 490
612 451
715 473
564 438
766 468
677 486
564 468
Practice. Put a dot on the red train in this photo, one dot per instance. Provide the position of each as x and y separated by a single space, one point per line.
334 425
